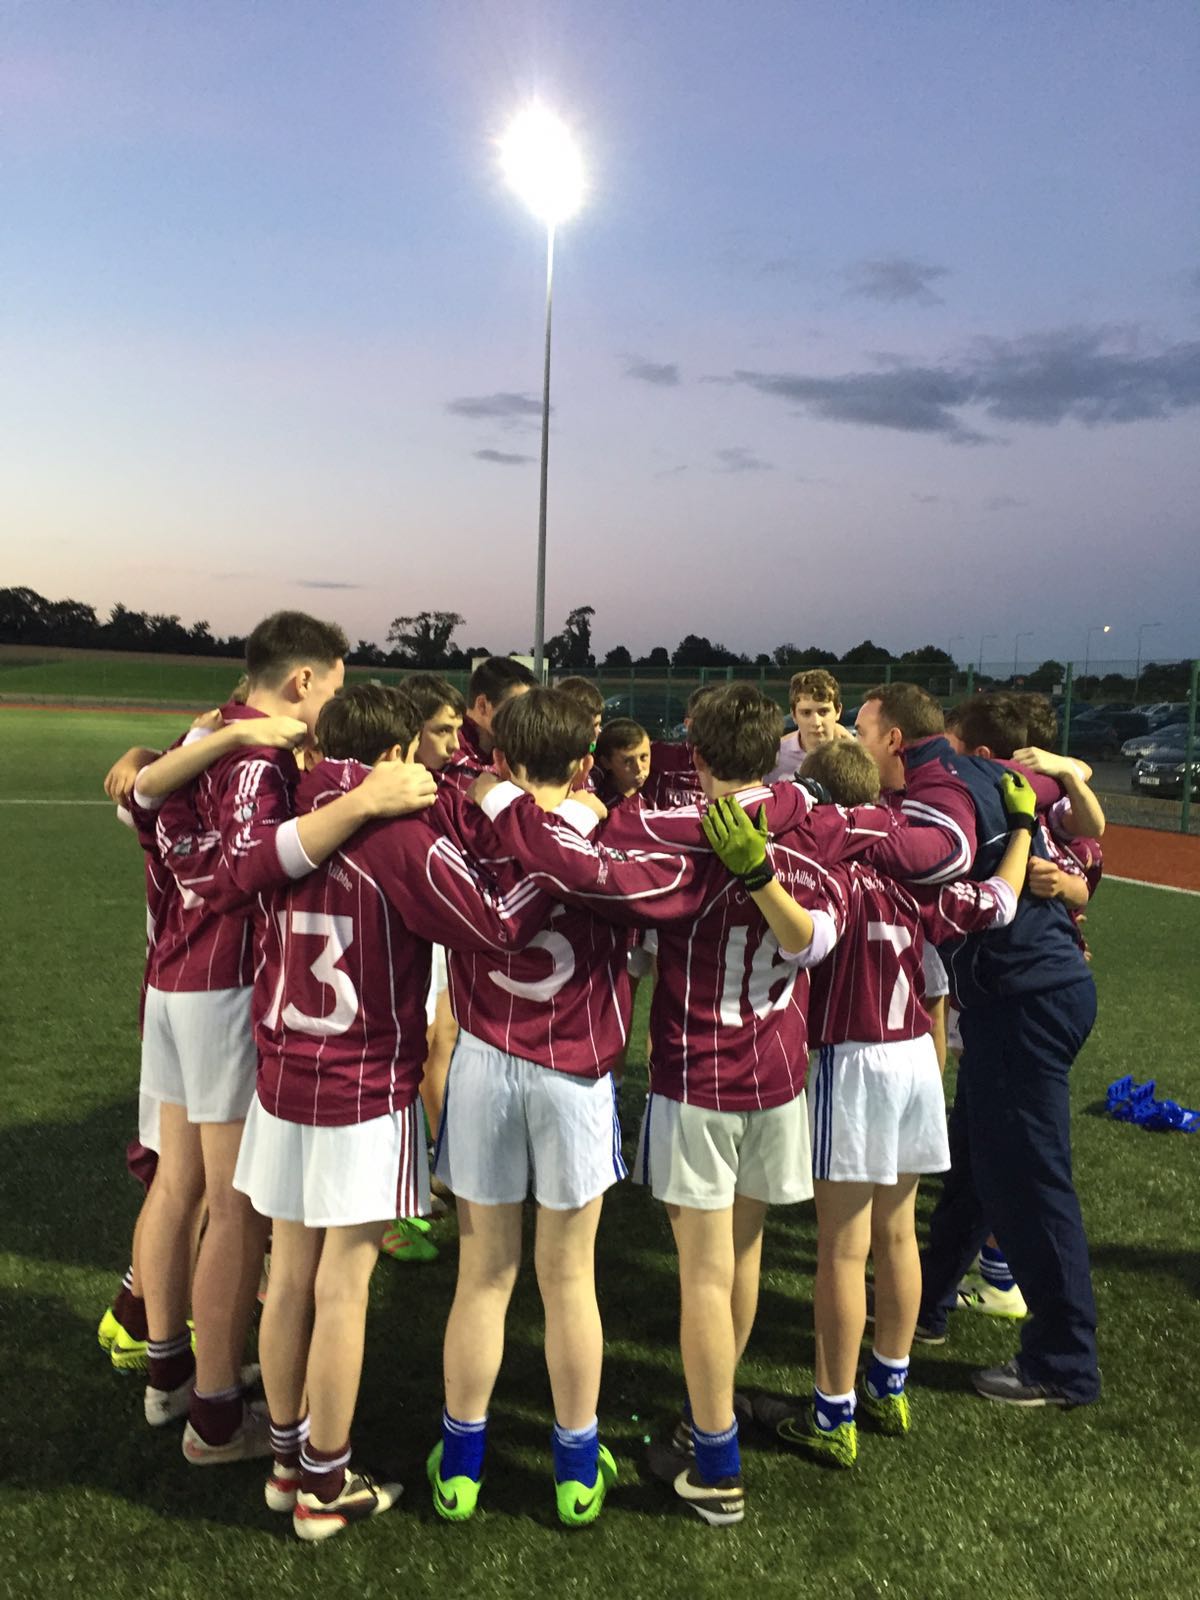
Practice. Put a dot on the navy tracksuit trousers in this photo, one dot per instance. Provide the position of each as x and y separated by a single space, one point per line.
1010 1148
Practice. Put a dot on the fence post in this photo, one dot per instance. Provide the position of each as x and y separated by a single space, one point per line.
1068 683
887 673
1185 817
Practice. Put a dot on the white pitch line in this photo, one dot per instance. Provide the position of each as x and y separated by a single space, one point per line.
1145 883
45 802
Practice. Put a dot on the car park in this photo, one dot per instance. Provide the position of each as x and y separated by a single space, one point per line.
1174 733
1162 770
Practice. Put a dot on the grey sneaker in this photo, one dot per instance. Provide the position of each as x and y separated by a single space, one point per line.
1008 1386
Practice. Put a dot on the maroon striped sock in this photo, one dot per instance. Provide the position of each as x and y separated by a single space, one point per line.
217 1417
286 1439
171 1361
130 1312
323 1472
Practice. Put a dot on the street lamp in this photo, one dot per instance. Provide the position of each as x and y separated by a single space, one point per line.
541 163
982 642
1017 647
1137 677
1099 627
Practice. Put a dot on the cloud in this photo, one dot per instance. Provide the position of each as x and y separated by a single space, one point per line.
663 373
321 583
503 458
735 458
1095 376
927 499
891 279
1003 502
502 406
671 472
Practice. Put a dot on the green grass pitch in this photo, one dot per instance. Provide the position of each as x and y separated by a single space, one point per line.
1101 1501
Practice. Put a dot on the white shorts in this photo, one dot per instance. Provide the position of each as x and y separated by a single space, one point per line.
439 979
334 1177
509 1125
198 1051
877 1111
149 1122
691 1156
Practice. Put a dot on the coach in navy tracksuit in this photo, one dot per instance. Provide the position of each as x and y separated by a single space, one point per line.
1027 1002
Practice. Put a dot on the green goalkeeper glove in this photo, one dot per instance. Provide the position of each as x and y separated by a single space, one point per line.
1020 802
740 843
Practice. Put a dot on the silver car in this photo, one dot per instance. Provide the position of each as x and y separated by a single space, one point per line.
1143 743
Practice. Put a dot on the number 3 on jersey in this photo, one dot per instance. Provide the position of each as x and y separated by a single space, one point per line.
338 934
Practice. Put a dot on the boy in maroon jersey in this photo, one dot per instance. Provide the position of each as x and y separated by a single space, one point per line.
227 834
587 697
878 1119
673 780
492 683
622 762
530 1103
333 1144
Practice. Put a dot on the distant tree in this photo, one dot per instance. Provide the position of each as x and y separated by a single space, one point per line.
762 660
929 655
866 654
166 633
71 623
791 655
366 653
200 640
425 637
618 657
1048 676
659 659
573 646
473 652
22 616
126 629
693 650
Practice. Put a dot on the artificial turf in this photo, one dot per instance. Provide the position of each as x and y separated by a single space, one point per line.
1099 1501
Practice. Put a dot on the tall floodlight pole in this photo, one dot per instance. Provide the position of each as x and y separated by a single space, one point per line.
1137 677
1099 627
541 163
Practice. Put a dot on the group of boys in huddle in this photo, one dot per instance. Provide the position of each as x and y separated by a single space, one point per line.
316 853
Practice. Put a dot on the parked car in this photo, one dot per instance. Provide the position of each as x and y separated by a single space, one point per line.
1108 708
1161 772
1174 733
1169 711
1093 738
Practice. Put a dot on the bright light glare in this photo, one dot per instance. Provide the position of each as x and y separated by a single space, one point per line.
541 163
1108 627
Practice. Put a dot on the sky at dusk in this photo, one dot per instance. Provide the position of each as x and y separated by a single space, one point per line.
879 320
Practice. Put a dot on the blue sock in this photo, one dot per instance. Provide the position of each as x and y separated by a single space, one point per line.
886 1375
463 1445
576 1453
717 1454
831 1410
993 1269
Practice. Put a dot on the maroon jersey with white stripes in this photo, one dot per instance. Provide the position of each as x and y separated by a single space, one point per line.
467 762
339 997
728 1020
189 948
870 990
673 779
967 907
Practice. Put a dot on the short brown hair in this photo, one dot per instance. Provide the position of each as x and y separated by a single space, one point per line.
737 730
288 639
544 733
815 684
700 694
622 733
431 692
995 721
496 678
846 770
1041 720
584 692
908 707
365 719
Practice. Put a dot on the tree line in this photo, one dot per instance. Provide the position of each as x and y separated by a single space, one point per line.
426 639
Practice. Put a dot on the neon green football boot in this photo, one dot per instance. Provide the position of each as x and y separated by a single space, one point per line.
890 1413
108 1330
456 1499
406 1240
577 1504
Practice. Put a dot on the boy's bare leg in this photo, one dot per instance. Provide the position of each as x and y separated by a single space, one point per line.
748 1219
565 1259
285 1331
164 1257
897 1266
839 1292
489 1257
228 1266
441 1039
339 1327
707 1342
